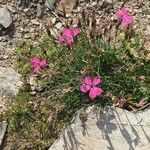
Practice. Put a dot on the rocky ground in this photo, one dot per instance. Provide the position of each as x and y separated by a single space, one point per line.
26 19
29 19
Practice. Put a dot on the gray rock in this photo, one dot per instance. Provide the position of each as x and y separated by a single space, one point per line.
1 1
35 1
39 11
12 9
58 25
28 11
10 81
50 4
5 18
2 45
106 4
109 129
3 126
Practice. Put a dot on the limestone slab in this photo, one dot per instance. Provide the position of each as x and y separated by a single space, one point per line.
5 18
10 81
109 129
3 126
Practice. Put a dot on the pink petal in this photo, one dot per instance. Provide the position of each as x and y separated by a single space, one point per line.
61 38
69 41
36 69
75 32
95 92
87 80
127 20
43 63
84 88
67 32
96 81
35 61
121 12
68 35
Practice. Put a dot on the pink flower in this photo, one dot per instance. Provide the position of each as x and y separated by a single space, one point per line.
90 85
68 36
121 13
37 64
127 20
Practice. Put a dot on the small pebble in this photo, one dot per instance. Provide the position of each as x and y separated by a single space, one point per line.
58 25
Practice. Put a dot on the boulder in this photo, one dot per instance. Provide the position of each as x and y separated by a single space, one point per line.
108 129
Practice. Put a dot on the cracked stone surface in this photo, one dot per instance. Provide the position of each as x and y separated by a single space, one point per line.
10 81
3 126
110 129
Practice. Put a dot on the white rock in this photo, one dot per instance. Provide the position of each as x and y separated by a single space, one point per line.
148 29
54 32
3 126
148 16
110 129
75 22
58 25
94 3
5 18
78 9
10 81
68 15
34 22
53 21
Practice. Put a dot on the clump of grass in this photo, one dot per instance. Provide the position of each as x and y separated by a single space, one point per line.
35 121
120 67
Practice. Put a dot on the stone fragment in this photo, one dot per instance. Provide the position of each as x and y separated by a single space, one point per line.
12 9
39 11
54 32
53 20
58 25
10 81
75 22
66 5
3 126
109 129
5 18
106 4
50 4
35 22
28 11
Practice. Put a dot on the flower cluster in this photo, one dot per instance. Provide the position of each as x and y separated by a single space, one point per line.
90 85
124 17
